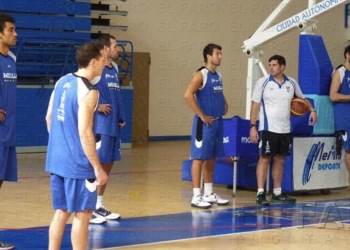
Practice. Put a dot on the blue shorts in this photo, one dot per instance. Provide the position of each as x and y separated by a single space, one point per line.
207 142
109 151
345 139
75 195
8 164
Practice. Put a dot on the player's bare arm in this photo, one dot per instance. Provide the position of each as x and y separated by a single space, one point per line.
254 135
226 105
334 94
195 83
49 112
87 138
313 114
2 115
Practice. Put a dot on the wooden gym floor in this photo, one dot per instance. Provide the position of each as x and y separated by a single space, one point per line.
147 190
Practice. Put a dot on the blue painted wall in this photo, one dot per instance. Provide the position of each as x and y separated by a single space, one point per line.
31 111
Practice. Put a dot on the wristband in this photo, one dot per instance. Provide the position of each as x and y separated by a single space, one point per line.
252 125
313 111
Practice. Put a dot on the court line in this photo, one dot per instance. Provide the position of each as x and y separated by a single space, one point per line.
201 237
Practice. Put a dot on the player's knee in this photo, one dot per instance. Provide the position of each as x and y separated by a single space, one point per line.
279 158
265 159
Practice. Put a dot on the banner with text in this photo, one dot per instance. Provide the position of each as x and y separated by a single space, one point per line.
316 165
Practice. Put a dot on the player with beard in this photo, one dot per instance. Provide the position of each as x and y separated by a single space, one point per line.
111 118
204 95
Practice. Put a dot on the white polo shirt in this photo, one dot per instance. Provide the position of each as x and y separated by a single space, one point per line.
275 99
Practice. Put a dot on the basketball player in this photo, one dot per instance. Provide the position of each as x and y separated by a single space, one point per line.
71 158
111 119
8 85
340 96
271 99
204 95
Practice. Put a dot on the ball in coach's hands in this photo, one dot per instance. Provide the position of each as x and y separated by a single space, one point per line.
299 107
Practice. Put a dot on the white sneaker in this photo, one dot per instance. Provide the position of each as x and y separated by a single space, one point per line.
106 214
6 246
214 198
197 201
97 219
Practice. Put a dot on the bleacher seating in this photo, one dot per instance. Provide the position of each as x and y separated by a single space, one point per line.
48 35
43 61
54 19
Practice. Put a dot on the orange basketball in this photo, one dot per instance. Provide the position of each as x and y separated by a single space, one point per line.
298 107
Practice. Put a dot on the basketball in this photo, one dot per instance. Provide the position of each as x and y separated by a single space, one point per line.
299 107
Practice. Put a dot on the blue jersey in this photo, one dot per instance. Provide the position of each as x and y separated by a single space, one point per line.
210 97
8 86
65 154
342 109
109 89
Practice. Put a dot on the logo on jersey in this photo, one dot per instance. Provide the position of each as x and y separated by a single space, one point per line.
109 76
66 85
113 85
60 110
10 77
217 89
288 88
113 82
215 80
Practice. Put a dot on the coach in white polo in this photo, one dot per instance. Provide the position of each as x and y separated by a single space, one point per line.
271 98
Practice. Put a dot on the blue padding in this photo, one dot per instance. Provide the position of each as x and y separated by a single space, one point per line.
325 116
31 111
287 179
30 122
223 172
236 137
186 170
52 22
47 7
236 144
128 100
315 66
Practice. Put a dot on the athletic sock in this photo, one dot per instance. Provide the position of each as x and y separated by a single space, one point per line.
277 191
196 192
99 202
208 188
260 190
